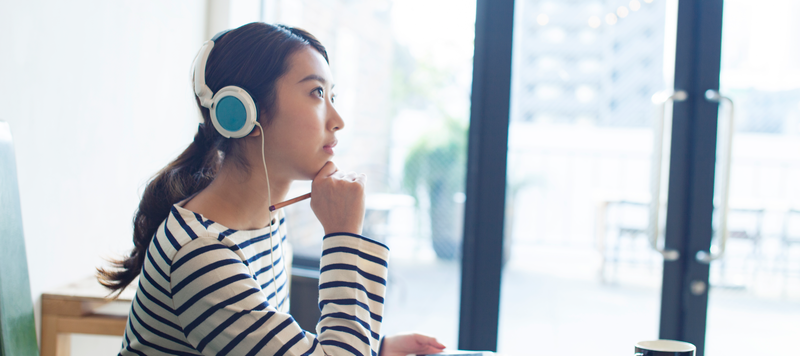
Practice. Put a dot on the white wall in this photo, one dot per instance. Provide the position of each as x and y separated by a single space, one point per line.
98 97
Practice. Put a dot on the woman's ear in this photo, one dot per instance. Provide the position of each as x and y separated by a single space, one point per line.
255 133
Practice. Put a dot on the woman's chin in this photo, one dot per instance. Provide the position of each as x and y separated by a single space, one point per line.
309 173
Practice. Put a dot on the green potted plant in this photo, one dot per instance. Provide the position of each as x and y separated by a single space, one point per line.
436 167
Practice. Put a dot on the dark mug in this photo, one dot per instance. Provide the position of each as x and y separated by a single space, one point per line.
664 348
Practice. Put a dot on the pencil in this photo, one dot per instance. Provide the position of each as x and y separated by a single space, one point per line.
289 202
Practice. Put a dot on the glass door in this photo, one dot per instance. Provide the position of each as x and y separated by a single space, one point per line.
588 164
754 296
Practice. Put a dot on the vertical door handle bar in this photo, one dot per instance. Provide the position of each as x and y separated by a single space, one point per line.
727 146
661 99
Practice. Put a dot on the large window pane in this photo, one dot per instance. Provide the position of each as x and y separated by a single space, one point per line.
403 75
580 172
755 287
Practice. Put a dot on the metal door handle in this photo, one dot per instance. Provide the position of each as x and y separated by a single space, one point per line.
661 99
727 145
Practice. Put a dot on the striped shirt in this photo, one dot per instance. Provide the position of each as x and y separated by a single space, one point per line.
205 289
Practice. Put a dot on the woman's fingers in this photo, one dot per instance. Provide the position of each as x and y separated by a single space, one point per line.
436 344
355 177
412 343
429 342
361 177
338 200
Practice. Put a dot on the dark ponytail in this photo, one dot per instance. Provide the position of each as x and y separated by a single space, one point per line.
253 57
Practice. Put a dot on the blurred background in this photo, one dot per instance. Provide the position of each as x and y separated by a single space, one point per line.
98 96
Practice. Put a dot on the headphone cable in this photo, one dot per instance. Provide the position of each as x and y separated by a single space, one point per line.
271 221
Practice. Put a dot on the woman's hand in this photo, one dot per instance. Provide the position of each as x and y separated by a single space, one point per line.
338 200
404 344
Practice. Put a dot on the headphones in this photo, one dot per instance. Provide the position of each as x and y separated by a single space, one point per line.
233 111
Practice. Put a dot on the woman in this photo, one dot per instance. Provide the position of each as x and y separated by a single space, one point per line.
209 249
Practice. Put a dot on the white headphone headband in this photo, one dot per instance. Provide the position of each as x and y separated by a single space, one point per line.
200 88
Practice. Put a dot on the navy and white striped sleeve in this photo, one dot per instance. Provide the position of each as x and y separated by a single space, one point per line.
222 309
352 286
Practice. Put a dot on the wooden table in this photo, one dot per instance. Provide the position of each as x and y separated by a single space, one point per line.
82 308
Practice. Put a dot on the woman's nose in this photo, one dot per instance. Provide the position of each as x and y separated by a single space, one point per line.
335 122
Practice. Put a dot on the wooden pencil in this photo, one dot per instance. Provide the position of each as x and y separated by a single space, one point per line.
289 202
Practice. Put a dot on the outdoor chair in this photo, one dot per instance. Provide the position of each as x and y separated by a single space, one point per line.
790 236
625 237
744 228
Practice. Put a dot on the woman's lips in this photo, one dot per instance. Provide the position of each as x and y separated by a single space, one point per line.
329 147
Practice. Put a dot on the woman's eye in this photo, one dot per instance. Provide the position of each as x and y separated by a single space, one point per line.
319 92
333 98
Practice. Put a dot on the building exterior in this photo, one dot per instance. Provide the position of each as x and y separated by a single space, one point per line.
588 61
